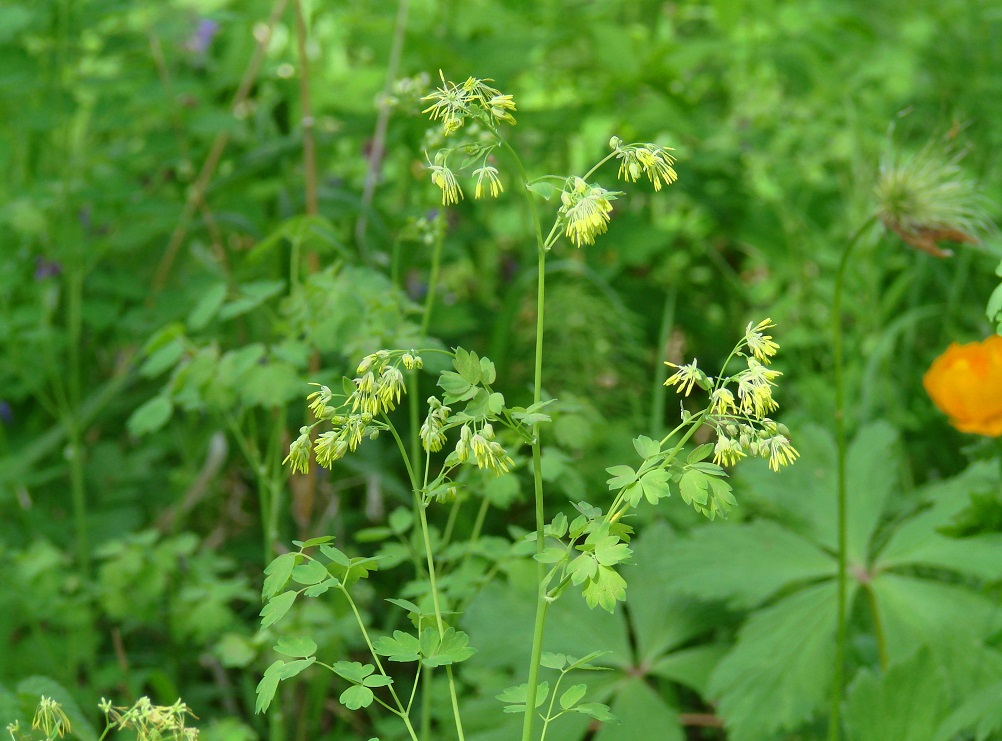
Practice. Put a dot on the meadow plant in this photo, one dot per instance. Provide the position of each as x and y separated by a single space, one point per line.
470 426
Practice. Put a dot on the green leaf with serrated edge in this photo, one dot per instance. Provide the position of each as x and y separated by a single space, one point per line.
292 668
980 713
782 660
377 680
907 702
622 476
312 542
700 453
317 589
335 555
552 661
352 670
268 685
911 609
495 403
605 589
572 695
400 520
467 364
872 470
550 555
401 647
404 604
577 527
693 487
454 384
311 572
356 697
655 485
298 648
609 550
744 564
646 447
276 608
488 372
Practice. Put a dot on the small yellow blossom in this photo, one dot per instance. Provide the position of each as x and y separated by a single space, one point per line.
585 211
685 377
761 344
493 182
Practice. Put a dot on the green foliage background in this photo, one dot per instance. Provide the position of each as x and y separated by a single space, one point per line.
148 391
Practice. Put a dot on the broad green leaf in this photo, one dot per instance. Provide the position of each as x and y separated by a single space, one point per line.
781 661
296 647
150 416
637 712
356 697
520 693
979 555
495 403
452 648
335 555
272 384
550 555
907 702
553 661
377 680
276 608
582 568
543 188
690 666
400 520
311 572
981 713
911 610
743 564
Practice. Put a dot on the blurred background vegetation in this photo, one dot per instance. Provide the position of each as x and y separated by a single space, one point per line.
174 270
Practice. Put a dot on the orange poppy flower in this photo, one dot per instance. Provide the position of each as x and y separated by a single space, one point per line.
965 382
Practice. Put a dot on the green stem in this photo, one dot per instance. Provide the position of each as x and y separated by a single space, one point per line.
834 723
657 419
436 259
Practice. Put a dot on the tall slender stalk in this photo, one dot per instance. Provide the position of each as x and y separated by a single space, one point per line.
834 718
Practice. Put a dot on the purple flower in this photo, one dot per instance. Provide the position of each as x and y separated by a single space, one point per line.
6 413
46 268
200 40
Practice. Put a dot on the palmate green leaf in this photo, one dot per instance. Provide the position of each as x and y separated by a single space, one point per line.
353 671
743 564
803 496
451 648
638 712
693 487
981 713
781 661
455 386
519 693
912 611
906 702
